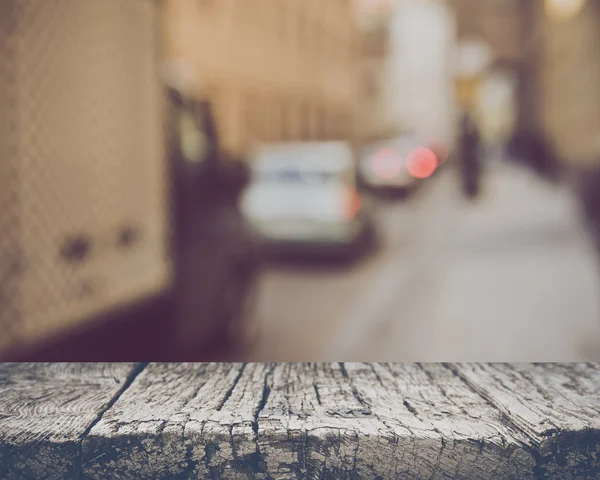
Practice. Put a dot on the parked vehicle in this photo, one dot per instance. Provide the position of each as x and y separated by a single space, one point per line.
398 165
125 241
216 260
303 198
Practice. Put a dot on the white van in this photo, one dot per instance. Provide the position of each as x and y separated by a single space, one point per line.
303 197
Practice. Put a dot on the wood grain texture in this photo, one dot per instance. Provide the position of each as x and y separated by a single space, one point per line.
293 421
557 407
46 409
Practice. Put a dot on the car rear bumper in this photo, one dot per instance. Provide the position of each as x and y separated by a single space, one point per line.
318 246
395 184
401 183
303 247
394 190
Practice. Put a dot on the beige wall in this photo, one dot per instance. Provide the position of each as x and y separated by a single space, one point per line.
373 119
498 22
569 83
276 70
559 64
505 25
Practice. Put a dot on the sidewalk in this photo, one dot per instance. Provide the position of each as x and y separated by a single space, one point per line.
514 198
519 278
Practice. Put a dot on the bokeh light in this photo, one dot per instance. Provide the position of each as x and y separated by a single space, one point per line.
563 9
386 163
421 162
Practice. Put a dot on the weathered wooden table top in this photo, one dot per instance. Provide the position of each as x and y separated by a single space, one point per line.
291 421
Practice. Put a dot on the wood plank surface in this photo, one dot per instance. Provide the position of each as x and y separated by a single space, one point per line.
293 421
46 409
557 406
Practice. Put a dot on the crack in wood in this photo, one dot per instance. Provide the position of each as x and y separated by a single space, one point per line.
233 385
292 421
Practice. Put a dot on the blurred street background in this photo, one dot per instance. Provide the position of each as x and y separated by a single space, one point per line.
512 276
494 260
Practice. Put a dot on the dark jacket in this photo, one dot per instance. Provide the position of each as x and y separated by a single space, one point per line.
589 190
469 144
535 151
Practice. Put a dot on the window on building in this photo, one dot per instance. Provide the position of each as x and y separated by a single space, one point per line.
254 127
207 3
335 125
347 124
327 124
306 122
349 40
268 119
302 29
259 119
323 124
318 41
282 18
293 119
371 84
337 119
298 125
315 127
284 130
250 113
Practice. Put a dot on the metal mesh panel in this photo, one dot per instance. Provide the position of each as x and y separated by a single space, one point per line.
85 159
9 256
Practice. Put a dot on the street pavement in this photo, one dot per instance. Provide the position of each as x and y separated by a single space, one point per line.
509 277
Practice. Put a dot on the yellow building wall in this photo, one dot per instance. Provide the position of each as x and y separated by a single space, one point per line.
569 83
276 70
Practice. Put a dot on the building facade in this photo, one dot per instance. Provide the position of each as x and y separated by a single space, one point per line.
568 80
420 74
276 71
497 95
374 118
498 22
551 47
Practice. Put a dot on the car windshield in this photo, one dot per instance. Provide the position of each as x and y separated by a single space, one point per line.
297 176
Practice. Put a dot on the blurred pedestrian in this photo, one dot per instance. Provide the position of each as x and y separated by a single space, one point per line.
589 190
470 157
534 151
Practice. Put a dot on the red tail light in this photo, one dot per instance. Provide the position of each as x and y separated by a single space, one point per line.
386 163
353 204
421 163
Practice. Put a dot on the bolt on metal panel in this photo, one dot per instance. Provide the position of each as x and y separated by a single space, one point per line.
83 178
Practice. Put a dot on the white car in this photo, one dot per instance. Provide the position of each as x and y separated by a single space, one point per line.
303 198
398 164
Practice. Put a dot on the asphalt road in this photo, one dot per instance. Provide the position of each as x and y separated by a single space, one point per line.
511 277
